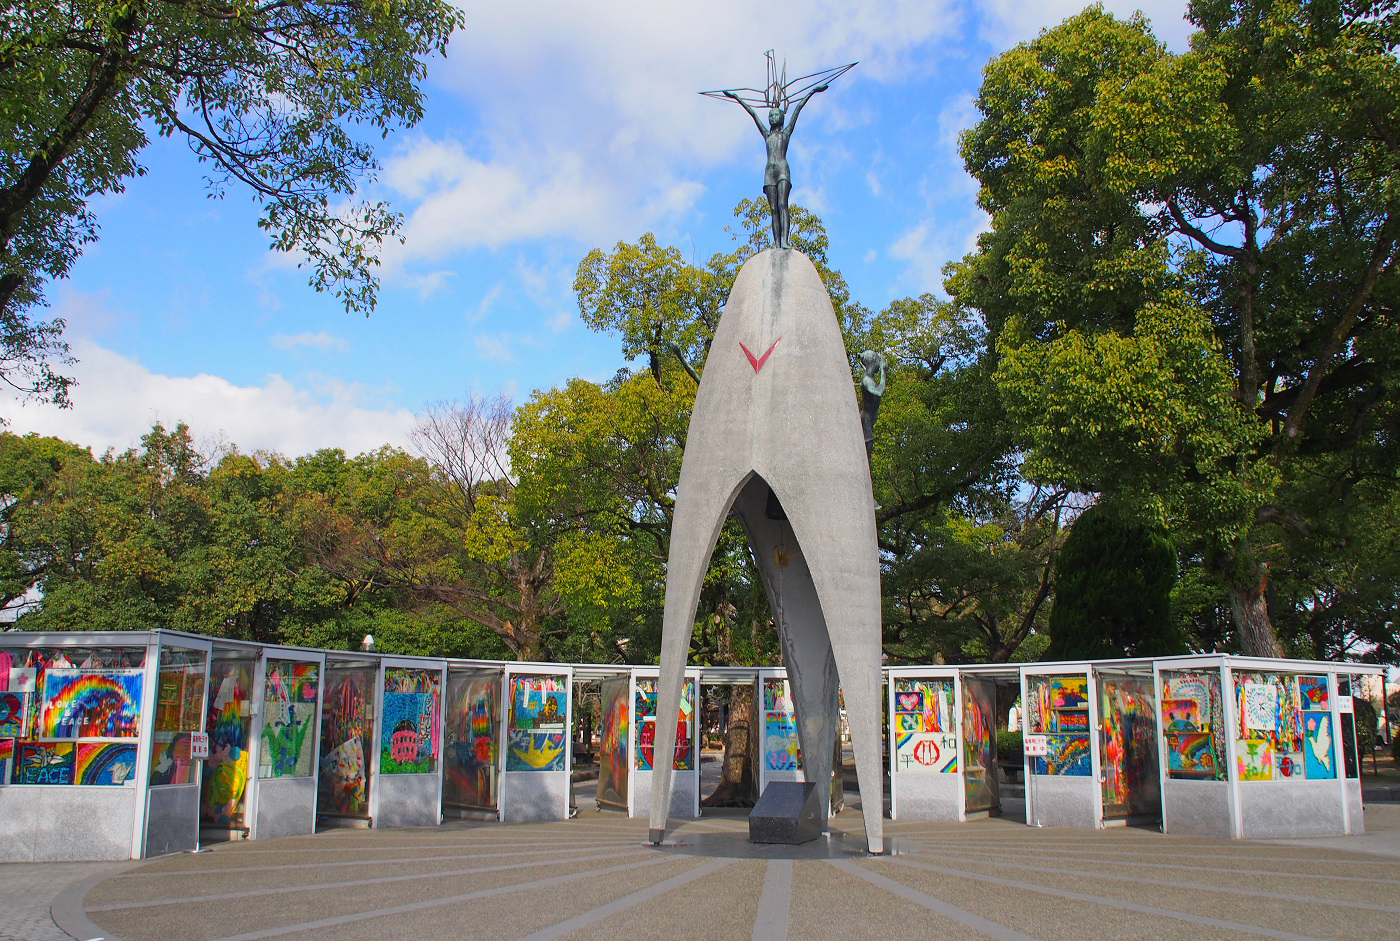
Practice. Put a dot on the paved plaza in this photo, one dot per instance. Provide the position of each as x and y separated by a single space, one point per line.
594 877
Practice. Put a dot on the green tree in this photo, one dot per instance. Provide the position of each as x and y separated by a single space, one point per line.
473 546
281 98
663 307
252 547
966 549
34 473
974 588
1113 585
1190 276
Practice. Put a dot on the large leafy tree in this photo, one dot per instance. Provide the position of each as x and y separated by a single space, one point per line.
279 98
1191 273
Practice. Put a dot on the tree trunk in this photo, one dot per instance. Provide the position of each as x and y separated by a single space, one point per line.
736 782
1251 615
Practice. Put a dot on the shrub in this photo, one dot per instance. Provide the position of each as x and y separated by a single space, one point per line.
1009 746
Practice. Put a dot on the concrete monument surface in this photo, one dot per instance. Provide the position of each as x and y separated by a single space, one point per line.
776 410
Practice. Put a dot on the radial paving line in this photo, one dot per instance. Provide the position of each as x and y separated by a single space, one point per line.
283 850
1157 849
993 857
1193 886
626 902
1115 856
355 883
1114 903
430 903
991 929
371 861
772 921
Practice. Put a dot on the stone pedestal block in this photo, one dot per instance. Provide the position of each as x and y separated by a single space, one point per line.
787 812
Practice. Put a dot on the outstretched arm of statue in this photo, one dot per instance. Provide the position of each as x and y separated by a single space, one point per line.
752 113
801 103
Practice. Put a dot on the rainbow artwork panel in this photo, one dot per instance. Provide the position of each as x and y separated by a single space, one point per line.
1190 755
43 763
612 750
470 760
925 726
645 709
1193 725
229 725
7 759
289 719
109 764
14 715
79 703
1068 755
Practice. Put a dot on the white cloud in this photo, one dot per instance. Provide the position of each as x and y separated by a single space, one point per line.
1008 22
320 341
483 307
926 250
117 400
587 122
562 320
426 285
495 347
920 248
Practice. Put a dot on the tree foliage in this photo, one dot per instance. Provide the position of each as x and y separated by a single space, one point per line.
1191 274
1113 585
280 98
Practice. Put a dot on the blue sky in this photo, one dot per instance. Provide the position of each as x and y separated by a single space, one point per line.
552 128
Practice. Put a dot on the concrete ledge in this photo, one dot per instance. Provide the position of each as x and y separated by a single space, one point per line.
1379 793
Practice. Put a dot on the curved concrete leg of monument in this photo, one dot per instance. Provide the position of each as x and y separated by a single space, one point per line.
826 581
701 509
847 585
802 630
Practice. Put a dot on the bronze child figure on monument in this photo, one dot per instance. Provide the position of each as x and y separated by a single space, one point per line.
782 119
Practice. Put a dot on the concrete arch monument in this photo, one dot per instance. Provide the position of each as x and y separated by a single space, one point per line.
776 438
